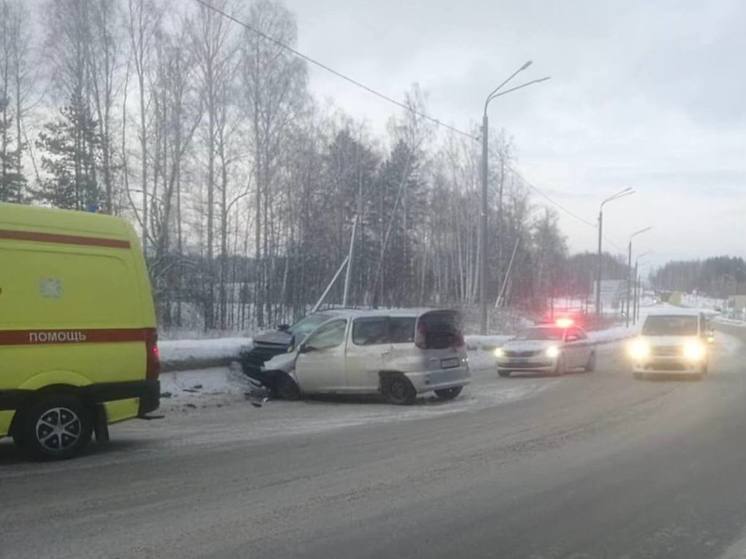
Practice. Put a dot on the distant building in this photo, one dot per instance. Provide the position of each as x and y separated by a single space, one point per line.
737 304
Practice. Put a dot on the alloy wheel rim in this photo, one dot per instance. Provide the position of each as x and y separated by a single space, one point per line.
58 429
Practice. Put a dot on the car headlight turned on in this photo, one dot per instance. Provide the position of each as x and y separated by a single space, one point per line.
499 352
552 352
638 349
694 351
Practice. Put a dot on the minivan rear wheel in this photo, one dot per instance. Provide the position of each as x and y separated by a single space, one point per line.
56 427
449 393
398 390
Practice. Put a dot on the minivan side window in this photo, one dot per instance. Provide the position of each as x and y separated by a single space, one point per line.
328 336
370 331
401 329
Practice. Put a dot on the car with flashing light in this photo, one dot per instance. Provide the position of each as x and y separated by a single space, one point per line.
554 348
672 343
397 353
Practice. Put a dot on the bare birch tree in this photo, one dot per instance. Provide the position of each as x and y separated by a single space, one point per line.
274 85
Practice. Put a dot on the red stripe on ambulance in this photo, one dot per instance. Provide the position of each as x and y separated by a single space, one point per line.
9 234
73 336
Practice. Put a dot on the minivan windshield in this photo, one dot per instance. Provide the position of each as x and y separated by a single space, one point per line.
670 326
541 334
301 329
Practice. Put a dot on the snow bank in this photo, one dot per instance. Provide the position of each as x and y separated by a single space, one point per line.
703 302
197 354
486 343
613 334
729 321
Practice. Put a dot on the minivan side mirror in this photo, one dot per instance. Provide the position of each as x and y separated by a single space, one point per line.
306 348
283 327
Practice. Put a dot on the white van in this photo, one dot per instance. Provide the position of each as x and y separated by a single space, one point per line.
397 353
674 342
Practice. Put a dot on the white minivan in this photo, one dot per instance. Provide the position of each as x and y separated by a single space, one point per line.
674 342
397 353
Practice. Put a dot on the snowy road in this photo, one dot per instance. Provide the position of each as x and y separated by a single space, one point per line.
586 465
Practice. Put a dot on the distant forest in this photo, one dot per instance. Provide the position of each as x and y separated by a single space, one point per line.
720 276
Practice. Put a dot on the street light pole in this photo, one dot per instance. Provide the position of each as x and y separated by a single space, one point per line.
483 226
599 263
638 288
485 179
629 278
637 296
621 194
629 269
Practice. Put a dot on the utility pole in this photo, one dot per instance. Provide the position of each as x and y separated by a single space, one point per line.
348 272
329 287
500 298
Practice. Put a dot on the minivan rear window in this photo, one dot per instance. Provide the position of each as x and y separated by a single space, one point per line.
439 330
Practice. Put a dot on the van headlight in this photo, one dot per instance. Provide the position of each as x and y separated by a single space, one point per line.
552 352
638 349
499 352
694 351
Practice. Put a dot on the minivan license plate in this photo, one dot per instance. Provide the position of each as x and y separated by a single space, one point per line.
449 363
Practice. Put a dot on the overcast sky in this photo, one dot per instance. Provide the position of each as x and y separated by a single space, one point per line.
643 94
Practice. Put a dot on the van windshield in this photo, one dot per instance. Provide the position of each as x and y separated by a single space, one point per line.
670 326
439 330
306 325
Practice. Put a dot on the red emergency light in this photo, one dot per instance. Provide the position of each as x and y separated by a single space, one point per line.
564 322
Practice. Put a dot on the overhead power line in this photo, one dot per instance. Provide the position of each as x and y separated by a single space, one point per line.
337 73
563 208
550 199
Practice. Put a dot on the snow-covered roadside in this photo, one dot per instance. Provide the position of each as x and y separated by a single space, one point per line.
200 354
615 334
729 321
486 343
216 386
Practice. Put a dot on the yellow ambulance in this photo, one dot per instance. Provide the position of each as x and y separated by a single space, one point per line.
78 341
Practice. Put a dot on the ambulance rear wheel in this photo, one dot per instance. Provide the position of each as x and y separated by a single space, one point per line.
55 427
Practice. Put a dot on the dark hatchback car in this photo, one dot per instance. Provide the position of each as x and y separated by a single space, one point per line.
273 342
